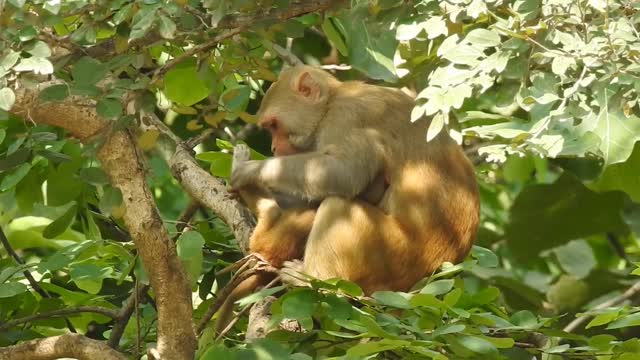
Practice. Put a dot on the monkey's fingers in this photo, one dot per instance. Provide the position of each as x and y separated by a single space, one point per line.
291 273
241 153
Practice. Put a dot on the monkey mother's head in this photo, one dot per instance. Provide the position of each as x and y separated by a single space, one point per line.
293 106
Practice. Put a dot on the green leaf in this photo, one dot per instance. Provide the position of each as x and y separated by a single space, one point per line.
88 71
189 247
618 134
483 38
94 176
375 347
257 296
109 108
576 258
12 289
603 318
299 304
486 257
477 345
334 36
89 276
35 64
525 319
3 134
166 28
27 33
54 93
182 84
7 99
438 287
371 44
393 299
547 215
623 176
39 49
13 178
626 321
61 224
448 329
142 22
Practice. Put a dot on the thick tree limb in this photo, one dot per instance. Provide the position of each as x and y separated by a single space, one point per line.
119 157
212 193
63 346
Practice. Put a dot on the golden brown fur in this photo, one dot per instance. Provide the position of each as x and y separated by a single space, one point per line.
393 206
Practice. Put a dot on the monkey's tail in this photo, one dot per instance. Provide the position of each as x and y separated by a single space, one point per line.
246 287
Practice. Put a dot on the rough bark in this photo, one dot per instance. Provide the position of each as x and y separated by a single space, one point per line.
119 157
63 346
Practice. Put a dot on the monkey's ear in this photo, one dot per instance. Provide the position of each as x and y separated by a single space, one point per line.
306 85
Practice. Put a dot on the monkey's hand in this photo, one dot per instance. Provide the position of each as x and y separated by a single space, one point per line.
292 273
243 171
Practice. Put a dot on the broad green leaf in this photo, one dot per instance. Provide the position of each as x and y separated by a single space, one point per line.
618 135
448 329
142 22
393 299
547 215
369 348
88 71
189 247
464 55
525 319
27 33
576 258
300 303
13 178
623 176
109 108
167 27
334 36
626 321
12 289
483 38
39 49
486 257
37 65
477 345
438 287
603 318
7 99
54 93
435 127
61 224
94 176
259 295
3 134
182 84
89 276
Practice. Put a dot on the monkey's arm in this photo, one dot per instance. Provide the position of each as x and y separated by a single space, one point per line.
342 169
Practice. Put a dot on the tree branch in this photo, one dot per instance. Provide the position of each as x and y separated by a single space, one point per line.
628 294
235 27
120 160
27 274
61 312
124 314
63 346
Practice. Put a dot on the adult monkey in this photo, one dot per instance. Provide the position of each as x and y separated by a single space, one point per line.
392 206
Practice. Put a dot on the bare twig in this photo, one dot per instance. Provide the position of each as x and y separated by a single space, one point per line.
249 268
32 281
124 314
244 311
628 294
286 55
185 217
61 312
